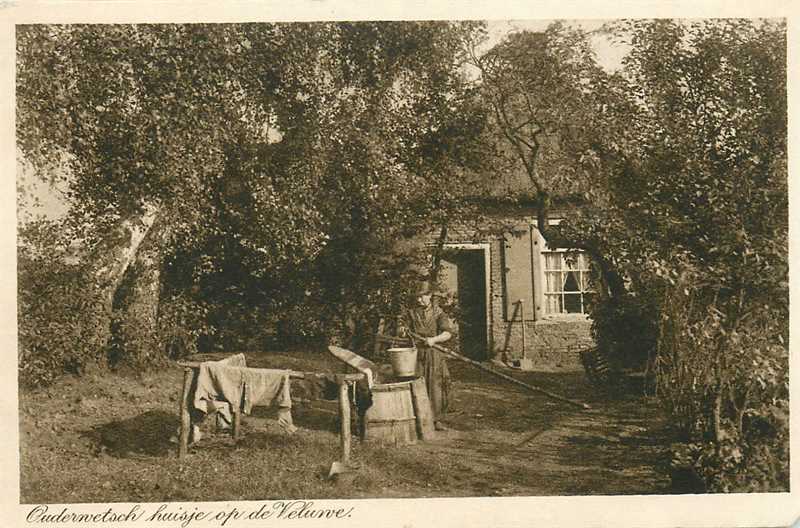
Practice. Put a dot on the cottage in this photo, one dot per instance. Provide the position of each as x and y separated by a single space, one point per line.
513 296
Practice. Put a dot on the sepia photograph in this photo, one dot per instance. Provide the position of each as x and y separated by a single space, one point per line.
281 263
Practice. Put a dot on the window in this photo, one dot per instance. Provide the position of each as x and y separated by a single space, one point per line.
567 282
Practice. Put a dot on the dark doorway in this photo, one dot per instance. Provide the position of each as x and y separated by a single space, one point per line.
464 280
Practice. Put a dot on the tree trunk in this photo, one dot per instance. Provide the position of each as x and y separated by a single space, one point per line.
111 259
614 286
135 339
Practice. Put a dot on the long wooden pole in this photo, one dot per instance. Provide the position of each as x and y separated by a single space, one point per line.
504 376
522 317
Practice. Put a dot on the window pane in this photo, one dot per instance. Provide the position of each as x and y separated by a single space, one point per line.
553 304
568 274
571 282
572 303
552 261
553 281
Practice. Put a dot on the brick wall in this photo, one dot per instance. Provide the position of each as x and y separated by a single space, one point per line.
553 343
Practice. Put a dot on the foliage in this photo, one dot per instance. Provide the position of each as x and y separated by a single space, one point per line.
680 159
541 90
276 159
695 220
626 328
56 304
182 322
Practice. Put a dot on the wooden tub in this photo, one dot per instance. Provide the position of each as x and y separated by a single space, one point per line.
391 419
400 414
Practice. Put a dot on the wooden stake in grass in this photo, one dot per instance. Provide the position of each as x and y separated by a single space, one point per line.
186 425
344 416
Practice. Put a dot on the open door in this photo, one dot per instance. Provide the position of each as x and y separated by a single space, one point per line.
463 279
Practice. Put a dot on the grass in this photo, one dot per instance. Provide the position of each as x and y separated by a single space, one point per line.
105 437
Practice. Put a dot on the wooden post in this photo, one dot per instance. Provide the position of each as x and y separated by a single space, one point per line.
236 429
378 345
344 416
186 419
237 425
423 413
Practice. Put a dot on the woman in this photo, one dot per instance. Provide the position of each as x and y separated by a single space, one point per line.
428 321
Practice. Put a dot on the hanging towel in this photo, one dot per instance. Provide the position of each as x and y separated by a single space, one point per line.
265 387
212 385
241 386
224 384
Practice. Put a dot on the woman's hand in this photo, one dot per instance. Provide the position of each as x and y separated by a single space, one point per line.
444 336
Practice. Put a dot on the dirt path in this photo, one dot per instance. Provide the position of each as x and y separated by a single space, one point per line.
583 453
519 443
112 433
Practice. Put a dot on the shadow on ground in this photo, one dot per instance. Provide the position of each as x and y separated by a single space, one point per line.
146 434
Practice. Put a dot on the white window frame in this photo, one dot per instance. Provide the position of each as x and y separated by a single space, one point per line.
580 293
540 282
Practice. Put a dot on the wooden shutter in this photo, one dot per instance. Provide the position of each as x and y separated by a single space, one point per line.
538 272
518 273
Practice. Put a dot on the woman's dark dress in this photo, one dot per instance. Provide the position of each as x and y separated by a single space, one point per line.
431 321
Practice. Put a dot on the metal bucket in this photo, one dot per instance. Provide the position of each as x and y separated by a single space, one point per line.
404 361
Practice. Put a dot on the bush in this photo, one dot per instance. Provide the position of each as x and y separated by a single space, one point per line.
181 322
722 374
59 307
626 331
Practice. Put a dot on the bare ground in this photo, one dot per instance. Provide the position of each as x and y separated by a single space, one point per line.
104 437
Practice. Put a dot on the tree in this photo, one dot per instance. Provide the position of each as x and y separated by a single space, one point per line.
680 160
247 149
550 100
697 223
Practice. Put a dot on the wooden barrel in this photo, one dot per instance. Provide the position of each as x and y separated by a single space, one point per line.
391 419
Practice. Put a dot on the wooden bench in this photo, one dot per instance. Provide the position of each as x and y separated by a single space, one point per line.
191 370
